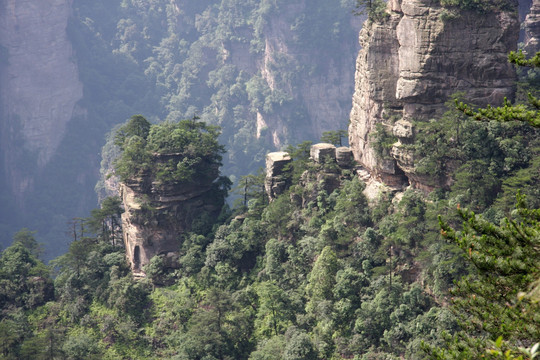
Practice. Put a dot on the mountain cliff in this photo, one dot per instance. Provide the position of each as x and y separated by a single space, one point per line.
169 185
157 217
531 26
410 63
39 87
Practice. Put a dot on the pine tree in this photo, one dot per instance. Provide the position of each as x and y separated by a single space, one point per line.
499 303
500 300
529 113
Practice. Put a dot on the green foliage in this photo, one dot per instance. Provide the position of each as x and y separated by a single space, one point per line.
79 346
171 152
137 125
317 273
251 191
383 140
374 9
479 5
519 59
298 346
507 112
274 313
491 302
173 60
288 281
271 349
321 280
106 222
24 280
474 152
300 155
334 137
27 239
528 113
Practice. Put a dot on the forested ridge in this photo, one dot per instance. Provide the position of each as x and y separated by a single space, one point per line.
217 60
314 274
319 272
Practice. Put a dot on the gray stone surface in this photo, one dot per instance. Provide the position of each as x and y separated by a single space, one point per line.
532 29
277 179
412 62
156 216
39 83
344 157
322 151
403 129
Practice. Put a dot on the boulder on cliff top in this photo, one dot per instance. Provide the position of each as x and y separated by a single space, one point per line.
276 183
275 162
344 156
320 151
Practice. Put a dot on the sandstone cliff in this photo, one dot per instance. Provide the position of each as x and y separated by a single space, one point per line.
324 94
409 65
39 87
531 26
157 215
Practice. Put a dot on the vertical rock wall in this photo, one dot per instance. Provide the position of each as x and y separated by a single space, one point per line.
39 86
324 95
532 29
410 64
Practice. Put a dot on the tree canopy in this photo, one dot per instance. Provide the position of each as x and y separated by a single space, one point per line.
170 151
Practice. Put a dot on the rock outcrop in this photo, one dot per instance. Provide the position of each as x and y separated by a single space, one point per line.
39 86
322 152
531 26
277 179
410 64
328 162
158 215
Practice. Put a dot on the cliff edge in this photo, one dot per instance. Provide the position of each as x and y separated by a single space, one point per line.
410 64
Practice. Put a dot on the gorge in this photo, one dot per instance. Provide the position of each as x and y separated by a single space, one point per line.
417 239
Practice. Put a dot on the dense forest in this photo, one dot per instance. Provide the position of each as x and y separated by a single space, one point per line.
321 271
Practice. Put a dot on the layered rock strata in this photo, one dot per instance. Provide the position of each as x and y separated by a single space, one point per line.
277 179
158 215
323 152
531 26
410 64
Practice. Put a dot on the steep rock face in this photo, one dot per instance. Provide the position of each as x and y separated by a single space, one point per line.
410 64
39 85
157 215
324 94
532 29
